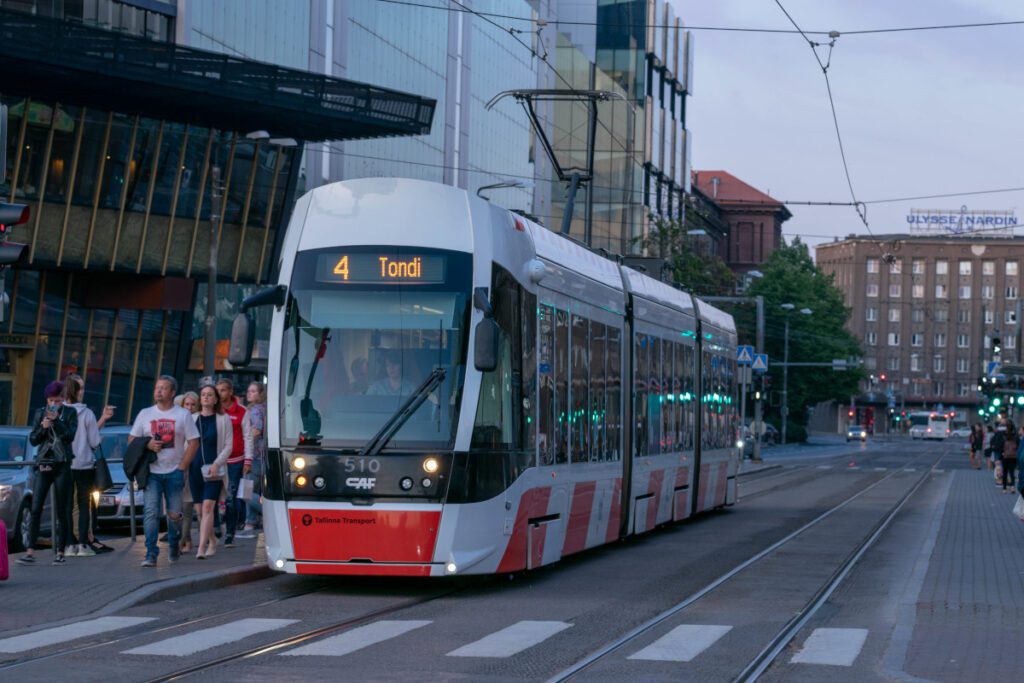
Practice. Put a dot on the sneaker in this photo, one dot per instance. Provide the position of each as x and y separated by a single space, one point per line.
85 551
173 554
59 559
100 548
150 561
246 533
26 559
229 542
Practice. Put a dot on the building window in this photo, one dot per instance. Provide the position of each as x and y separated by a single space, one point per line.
939 389
894 339
939 364
917 291
915 363
990 317
872 265
988 267
896 267
962 364
1010 318
870 363
940 339
1011 267
871 314
962 389
871 339
940 291
1010 341
917 315
894 315
942 267
941 315
963 341
895 290
893 363
917 266
988 292
872 289
1011 292
963 315
965 267
965 291
916 339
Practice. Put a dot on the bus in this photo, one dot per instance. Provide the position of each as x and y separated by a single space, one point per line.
929 425
454 389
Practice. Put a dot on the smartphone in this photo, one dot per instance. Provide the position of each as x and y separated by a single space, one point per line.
52 408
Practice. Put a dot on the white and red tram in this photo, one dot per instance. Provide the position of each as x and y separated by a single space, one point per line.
604 406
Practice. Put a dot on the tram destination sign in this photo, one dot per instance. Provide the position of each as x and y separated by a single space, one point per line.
962 221
379 268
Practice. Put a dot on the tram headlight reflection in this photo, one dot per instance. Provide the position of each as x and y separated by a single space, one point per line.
431 465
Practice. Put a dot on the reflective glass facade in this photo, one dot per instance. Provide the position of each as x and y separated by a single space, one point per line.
153 19
265 30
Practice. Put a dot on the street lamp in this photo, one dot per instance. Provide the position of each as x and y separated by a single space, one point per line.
788 308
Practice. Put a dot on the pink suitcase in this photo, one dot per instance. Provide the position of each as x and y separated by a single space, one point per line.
5 563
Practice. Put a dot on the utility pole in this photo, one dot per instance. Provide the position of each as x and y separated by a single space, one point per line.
210 345
785 382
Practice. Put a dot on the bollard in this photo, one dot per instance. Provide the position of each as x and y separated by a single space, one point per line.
131 508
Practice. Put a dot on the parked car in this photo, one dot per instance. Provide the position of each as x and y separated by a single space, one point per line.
963 431
856 432
16 485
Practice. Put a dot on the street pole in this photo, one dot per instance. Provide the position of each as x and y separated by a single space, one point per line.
758 427
785 382
745 375
210 345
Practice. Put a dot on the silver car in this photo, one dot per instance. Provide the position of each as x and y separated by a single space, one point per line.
16 485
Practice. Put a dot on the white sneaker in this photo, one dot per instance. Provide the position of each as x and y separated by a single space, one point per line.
85 551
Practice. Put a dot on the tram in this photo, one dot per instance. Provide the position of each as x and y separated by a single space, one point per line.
457 390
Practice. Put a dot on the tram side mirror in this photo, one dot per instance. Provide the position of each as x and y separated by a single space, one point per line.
243 336
485 356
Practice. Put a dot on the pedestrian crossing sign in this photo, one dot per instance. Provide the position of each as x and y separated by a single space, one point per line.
760 363
745 355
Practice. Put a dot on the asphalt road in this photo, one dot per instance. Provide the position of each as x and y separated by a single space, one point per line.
781 585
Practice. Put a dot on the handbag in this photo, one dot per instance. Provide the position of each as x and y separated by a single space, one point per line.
245 489
1010 449
206 467
103 479
1018 508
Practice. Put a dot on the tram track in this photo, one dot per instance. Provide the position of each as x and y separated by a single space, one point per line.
783 636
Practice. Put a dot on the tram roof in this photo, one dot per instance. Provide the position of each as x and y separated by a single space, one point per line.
717 317
557 249
657 291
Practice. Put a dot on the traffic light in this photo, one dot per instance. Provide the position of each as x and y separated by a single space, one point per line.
11 215
882 377
997 346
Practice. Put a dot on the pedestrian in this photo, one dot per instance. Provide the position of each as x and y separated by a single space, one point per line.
173 437
976 442
1010 456
995 446
83 466
52 434
208 472
190 402
989 458
254 431
236 463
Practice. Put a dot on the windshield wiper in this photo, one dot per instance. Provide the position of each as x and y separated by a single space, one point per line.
404 412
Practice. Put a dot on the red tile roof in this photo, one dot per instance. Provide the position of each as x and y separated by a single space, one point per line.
731 190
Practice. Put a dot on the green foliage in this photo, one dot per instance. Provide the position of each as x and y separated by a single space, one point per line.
699 273
790 276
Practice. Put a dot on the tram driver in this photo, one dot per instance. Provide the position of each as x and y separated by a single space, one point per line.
393 383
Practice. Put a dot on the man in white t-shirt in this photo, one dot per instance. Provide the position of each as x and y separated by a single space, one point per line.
174 438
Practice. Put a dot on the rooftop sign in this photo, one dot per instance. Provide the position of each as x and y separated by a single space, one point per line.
981 223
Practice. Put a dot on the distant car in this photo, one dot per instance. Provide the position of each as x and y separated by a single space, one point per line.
856 432
16 486
962 430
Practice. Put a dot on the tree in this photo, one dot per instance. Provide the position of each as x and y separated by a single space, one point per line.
696 270
790 276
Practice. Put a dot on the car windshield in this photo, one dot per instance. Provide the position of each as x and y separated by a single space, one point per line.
357 345
12 448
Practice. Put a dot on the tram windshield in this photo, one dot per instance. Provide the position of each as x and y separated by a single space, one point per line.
365 328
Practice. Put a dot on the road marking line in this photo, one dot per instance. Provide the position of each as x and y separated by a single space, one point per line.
824 467
853 467
682 643
939 471
208 638
881 469
512 640
61 634
832 646
357 638
910 469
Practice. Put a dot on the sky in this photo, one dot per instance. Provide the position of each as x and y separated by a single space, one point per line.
921 113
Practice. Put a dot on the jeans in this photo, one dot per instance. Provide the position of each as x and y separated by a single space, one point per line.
60 478
253 507
1009 471
162 488
235 505
85 481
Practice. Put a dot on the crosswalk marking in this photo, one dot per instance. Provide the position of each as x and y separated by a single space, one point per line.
682 643
832 646
881 469
824 467
63 634
939 471
910 469
357 638
208 638
511 640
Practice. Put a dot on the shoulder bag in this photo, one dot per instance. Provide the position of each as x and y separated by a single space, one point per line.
207 466
103 479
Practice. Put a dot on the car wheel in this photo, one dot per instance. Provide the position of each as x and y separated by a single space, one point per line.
19 537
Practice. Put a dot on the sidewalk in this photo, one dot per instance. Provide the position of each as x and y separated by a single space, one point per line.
44 593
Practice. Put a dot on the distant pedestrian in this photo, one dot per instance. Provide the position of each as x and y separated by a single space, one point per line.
989 458
190 402
83 466
52 434
236 463
173 437
1010 456
976 442
254 427
208 471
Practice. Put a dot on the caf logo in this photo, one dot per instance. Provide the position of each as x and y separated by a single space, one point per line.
307 520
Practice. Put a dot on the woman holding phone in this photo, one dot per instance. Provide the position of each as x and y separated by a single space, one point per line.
52 434
208 471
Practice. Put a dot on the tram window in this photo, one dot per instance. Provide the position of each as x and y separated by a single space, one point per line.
561 387
707 388
613 407
499 407
546 386
676 394
597 389
580 418
654 399
689 405
528 335
668 406
641 373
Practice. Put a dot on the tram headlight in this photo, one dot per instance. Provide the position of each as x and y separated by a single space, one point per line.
279 564
739 443
300 480
451 568
426 482
431 465
406 483
299 463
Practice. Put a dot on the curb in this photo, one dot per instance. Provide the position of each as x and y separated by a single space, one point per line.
759 469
